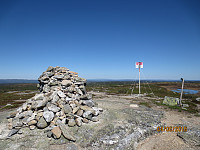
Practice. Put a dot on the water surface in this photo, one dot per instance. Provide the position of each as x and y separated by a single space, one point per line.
186 91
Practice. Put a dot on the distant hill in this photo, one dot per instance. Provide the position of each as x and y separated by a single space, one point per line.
12 81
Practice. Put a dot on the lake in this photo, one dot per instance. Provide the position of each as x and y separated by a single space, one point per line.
186 91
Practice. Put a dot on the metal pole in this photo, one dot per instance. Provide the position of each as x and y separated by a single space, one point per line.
139 80
181 92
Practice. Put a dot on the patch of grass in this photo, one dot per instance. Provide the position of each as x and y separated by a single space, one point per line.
11 98
18 87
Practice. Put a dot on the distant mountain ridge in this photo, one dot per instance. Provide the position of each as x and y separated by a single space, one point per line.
12 81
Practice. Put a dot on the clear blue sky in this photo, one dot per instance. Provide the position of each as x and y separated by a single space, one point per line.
100 39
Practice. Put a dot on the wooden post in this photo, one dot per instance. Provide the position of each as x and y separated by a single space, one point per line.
181 92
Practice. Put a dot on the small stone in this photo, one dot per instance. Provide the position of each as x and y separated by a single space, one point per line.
96 111
38 96
32 122
65 131
75 109
86 108
55 99
45 109
89 103
48 116
87 114
24 106
67 109
59 76
17 122
71 123
32 117
50 68
40 114
12 132
79 92
28 107
32 127
66 83
73 105
42 123
85 120
46 88
25 120
61 94
10 120
78 121
28 113
52 107
19 132
68 99
19 110
49 134
80 112
56 131
95 119
41 103
10 125
64 120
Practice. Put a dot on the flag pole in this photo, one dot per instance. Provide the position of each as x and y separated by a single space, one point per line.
139 80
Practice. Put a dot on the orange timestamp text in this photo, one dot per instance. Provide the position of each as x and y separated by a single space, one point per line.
172 129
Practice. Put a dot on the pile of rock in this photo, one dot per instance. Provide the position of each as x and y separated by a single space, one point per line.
62 103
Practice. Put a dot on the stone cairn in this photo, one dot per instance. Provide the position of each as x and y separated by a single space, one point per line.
62 103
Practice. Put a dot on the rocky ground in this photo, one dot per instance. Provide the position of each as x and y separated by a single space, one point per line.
124 124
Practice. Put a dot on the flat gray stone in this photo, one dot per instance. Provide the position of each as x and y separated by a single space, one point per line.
12 132
65 131
42 123
53 107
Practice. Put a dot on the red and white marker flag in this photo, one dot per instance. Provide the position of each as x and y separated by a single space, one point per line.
139 64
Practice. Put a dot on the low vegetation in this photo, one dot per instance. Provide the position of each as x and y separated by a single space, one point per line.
153 90
14 93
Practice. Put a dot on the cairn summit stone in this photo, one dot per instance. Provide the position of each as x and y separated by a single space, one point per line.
62 103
